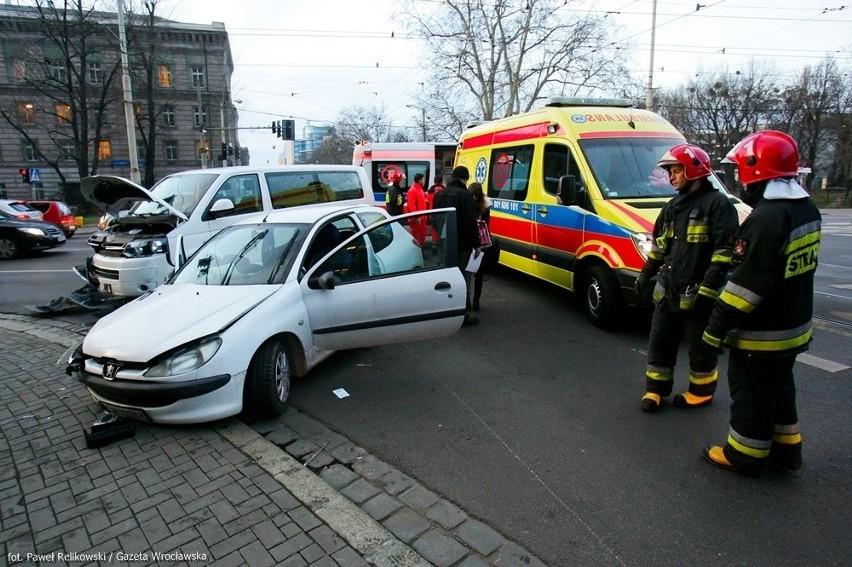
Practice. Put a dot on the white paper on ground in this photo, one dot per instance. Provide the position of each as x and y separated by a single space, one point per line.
340 393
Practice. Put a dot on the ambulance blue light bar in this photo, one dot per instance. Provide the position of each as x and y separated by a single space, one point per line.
560 101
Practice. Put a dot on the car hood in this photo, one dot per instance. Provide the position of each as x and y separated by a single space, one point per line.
170 316
112 193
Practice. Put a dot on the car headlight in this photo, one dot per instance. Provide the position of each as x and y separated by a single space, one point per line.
186 359
149 247
33 231
643 242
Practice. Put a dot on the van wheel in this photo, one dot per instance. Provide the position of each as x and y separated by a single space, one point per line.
267 386
601 297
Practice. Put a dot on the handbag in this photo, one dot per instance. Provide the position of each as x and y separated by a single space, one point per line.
491 257
484 234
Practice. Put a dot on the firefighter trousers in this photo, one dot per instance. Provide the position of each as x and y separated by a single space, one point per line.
763 408
668 328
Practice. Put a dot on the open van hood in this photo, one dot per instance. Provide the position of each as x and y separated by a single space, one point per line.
113 193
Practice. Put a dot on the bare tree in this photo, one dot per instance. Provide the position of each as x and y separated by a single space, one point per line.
371 123
492 58
70 83
143 47
334 149
810 107
716 110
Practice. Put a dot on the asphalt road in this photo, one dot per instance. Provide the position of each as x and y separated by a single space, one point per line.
530 422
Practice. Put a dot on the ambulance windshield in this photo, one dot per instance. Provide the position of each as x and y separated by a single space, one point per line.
627 167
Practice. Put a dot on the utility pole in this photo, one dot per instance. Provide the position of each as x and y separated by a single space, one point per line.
649 90
129 114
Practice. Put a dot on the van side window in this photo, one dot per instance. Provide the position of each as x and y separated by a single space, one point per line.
509 176
559 161
408 168
243 191
294 188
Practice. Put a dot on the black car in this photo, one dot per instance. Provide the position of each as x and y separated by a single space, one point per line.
18 237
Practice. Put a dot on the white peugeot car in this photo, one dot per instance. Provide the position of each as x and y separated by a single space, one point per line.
263 301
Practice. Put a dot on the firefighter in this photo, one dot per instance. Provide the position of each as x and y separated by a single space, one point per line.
689 259
416 201
764 311
394 199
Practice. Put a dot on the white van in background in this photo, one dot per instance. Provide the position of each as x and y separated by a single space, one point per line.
139 250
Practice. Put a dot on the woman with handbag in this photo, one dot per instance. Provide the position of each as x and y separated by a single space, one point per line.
483 217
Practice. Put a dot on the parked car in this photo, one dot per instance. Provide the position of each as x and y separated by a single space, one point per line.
266 300
19 210
58 213
137 251
19 237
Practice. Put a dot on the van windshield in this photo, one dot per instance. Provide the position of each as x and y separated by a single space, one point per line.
180 191
627 167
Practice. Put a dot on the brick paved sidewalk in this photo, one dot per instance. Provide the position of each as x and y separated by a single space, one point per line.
215 494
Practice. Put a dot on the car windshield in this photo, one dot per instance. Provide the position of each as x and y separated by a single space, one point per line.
627 167
180 191
244 255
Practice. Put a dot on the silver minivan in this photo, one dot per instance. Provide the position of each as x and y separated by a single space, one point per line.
152 228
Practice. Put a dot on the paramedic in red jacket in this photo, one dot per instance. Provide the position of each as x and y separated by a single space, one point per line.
416 199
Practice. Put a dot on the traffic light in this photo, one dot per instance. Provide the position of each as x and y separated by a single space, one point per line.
237 154
276 129
224 155
25 174
289 129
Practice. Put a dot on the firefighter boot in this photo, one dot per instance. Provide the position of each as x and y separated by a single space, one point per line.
689 400
702 385
651 402
715 455
786 456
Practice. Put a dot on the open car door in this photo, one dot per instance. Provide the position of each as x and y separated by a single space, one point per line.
379 287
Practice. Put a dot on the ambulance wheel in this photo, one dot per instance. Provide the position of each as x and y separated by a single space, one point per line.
267 385
601 297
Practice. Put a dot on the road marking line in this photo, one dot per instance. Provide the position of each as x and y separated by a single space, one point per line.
841 286
821 363
35 271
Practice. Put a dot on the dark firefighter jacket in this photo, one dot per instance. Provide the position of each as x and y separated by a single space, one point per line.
767 304
692 247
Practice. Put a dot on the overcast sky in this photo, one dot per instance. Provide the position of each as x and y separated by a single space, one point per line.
309 59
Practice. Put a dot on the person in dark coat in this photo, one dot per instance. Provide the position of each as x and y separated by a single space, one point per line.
456 195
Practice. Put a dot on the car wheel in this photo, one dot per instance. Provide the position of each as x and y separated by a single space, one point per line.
267 386
601 296
9 248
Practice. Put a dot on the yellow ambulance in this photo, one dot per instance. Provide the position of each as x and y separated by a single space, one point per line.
575 191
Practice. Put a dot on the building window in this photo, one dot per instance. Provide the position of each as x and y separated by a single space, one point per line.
197 77
26 113
104 150
63 114
199 115
57 72
19 70
169 116
68 152
29 150
171 150
165 76
94 74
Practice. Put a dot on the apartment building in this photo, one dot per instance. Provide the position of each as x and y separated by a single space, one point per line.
58 99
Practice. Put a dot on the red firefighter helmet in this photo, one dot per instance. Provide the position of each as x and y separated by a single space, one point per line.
695 160
395 176
765 155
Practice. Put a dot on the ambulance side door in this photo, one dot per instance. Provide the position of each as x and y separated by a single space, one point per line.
512 214
559 228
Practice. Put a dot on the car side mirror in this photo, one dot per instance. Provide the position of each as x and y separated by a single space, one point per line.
221 208
322 281
567 190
